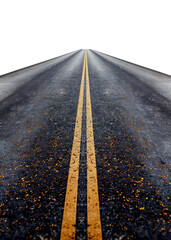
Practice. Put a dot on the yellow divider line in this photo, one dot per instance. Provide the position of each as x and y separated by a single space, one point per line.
93 209
70 207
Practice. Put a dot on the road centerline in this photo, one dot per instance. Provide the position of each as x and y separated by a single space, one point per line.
93 208
70 206
94 229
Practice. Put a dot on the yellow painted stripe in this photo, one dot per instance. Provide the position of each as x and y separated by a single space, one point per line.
70 206
93 209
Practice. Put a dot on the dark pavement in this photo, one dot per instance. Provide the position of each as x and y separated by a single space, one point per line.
131 109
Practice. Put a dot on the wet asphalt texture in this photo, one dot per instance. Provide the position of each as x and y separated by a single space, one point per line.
36 135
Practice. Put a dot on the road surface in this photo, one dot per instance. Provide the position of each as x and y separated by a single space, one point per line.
85 150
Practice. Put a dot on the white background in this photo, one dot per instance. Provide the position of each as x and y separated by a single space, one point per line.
32 31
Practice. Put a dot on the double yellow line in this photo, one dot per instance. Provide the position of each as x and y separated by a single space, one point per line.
94 230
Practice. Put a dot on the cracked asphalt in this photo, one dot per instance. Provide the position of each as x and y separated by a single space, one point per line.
131 113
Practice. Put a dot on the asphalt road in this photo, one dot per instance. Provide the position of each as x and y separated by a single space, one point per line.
131 114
